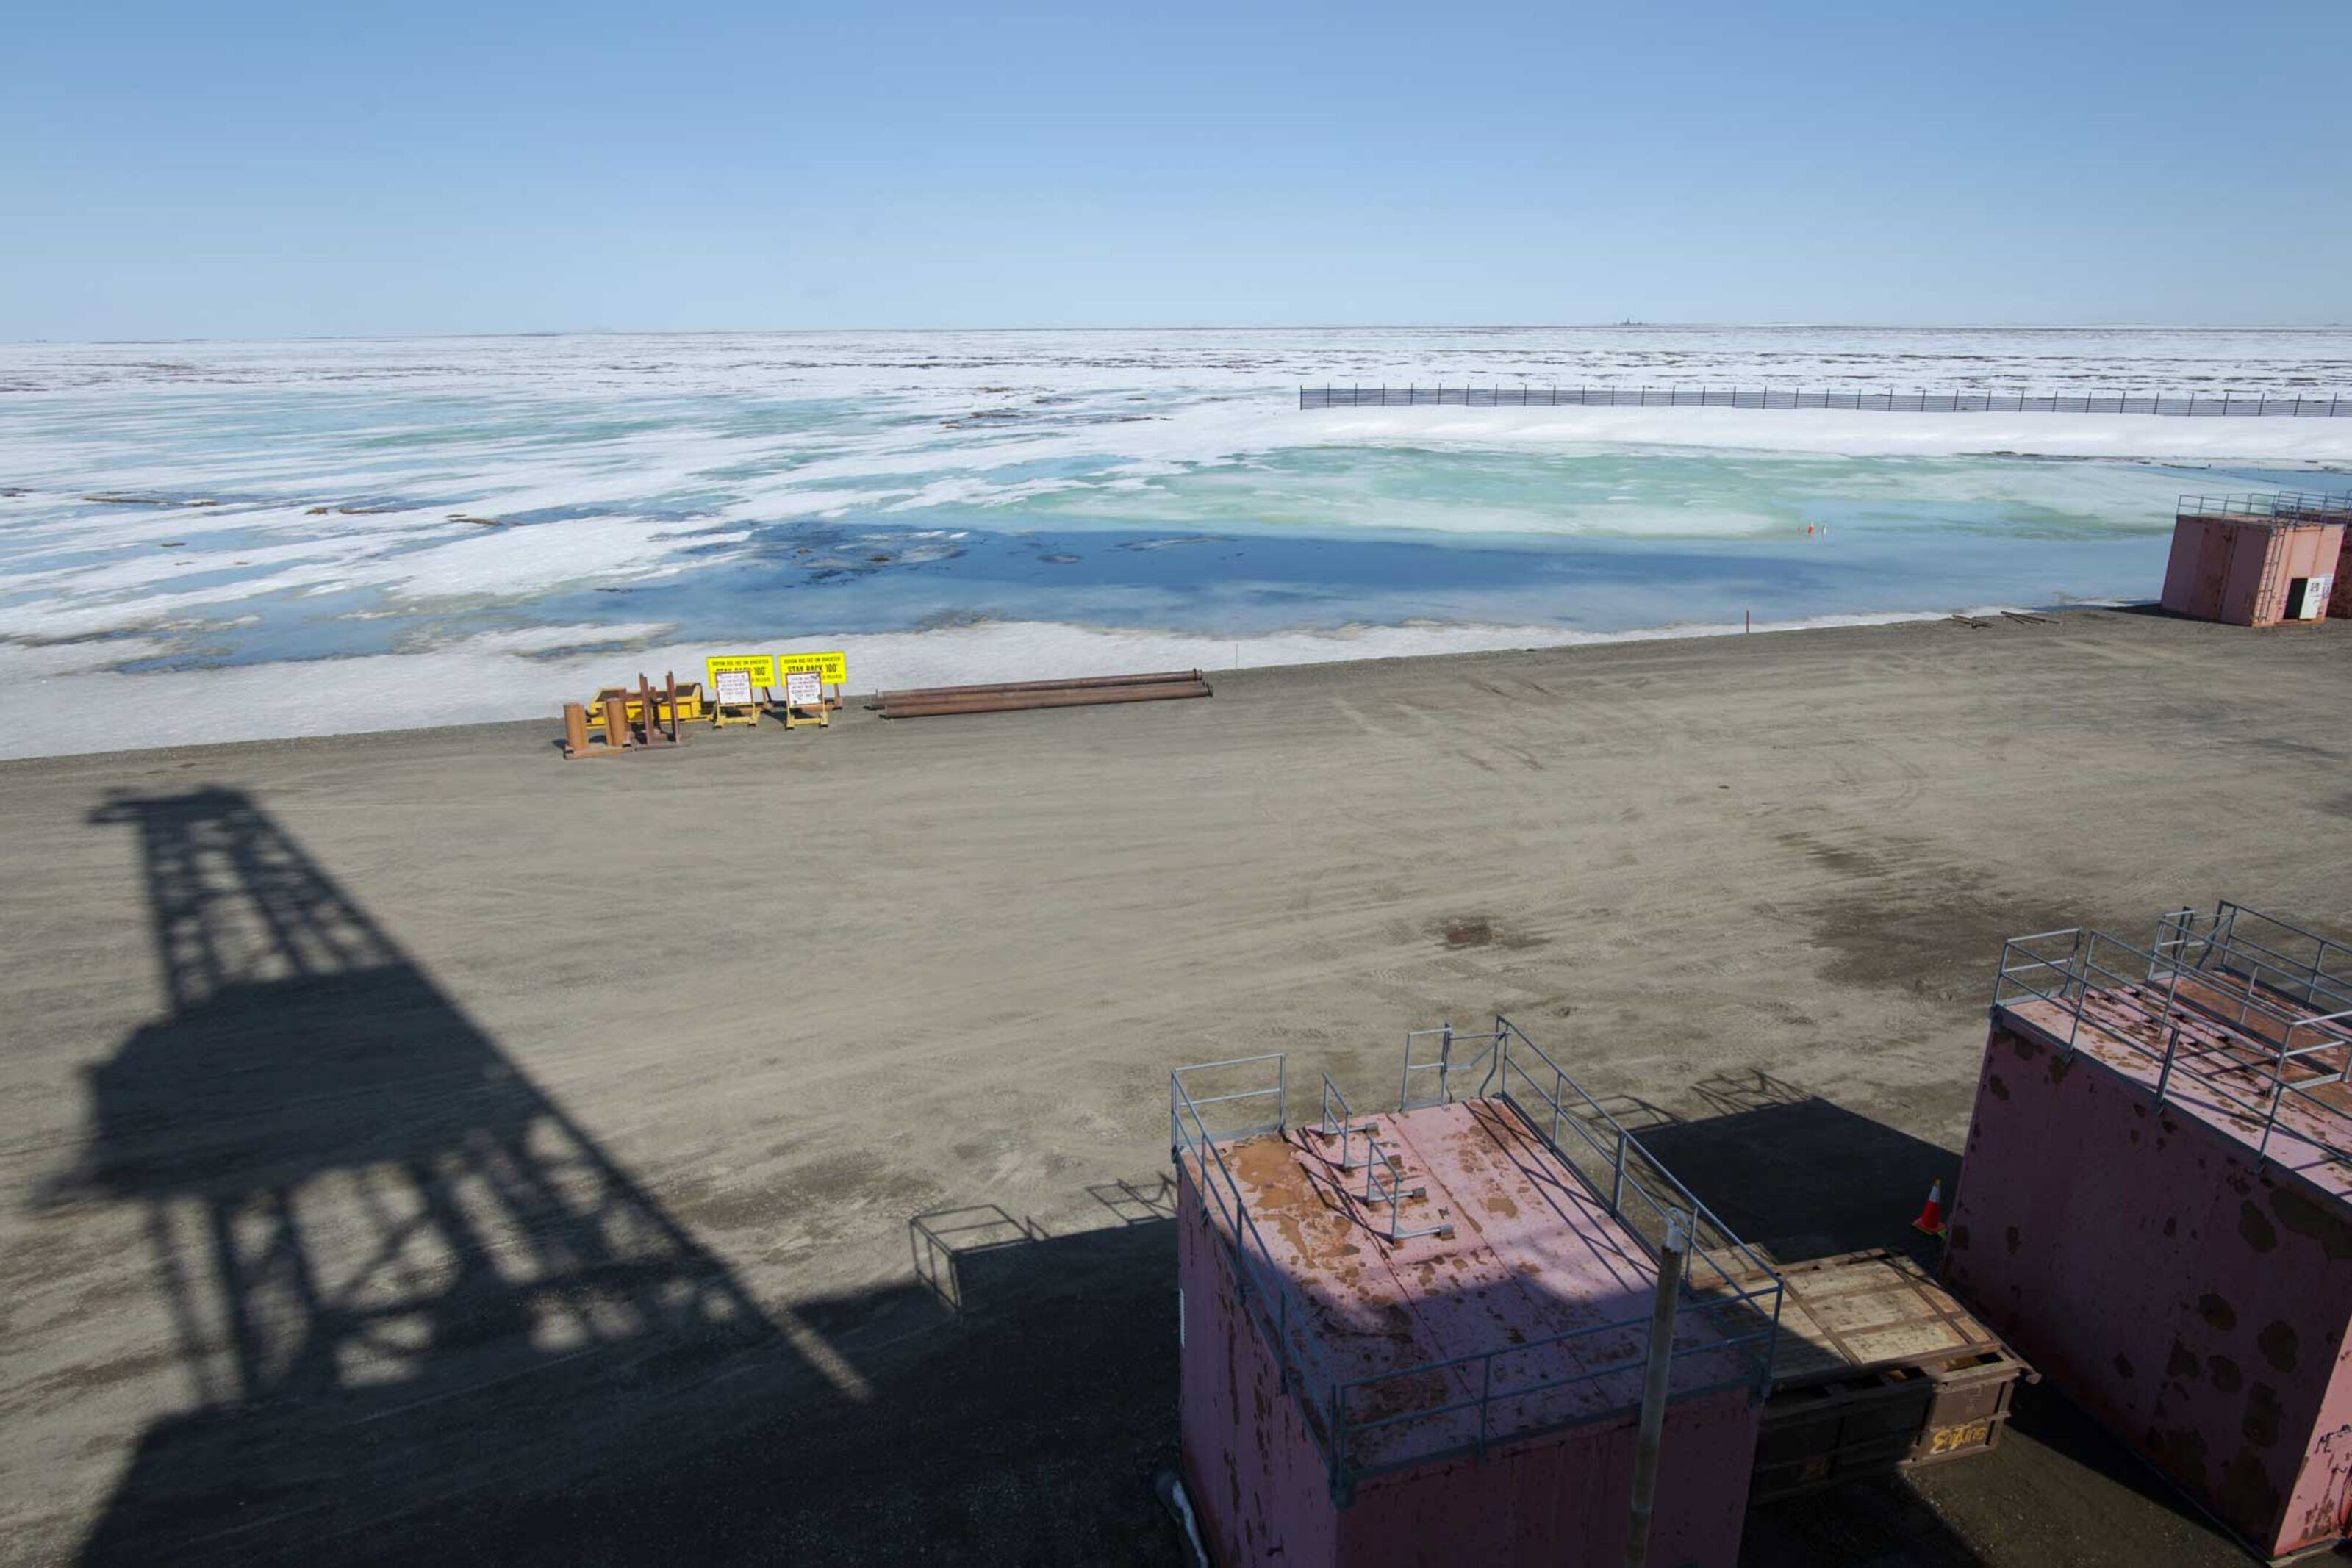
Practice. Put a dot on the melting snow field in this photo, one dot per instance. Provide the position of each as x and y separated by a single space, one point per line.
231 540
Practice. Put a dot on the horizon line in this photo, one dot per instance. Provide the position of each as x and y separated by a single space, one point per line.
1231 327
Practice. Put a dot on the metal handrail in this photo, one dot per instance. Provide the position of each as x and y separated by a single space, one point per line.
1343 1127
2321 985
1735 1306
1488 1394
2230 909
1625 1144
1394 1192
2268 504
2319 972
1274 1321
2080 976
1444 1066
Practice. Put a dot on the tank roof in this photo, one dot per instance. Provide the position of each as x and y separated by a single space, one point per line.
2270 509
1444 1278
2243 1022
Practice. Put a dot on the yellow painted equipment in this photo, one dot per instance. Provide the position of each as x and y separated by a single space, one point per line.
624 722
691 708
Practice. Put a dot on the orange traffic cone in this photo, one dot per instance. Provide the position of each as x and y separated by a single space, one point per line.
1931 1218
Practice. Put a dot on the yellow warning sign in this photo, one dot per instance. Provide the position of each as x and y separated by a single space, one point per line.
761 667
833 669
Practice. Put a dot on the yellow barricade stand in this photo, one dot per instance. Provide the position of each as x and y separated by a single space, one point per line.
739 683
814 687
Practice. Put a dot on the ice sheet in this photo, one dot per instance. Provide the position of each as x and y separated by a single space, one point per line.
195 510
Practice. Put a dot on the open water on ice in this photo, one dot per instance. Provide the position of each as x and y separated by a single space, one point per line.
522 509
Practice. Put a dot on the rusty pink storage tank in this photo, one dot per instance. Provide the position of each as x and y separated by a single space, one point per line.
1419 1337
2256 561
2155 1204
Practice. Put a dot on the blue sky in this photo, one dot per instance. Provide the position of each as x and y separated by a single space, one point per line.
250 170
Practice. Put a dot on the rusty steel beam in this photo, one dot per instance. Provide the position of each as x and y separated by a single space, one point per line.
1013 702
1081 683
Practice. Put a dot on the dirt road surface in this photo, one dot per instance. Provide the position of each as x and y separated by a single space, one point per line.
418 1146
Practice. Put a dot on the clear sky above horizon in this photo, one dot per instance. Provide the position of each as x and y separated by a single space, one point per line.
297 169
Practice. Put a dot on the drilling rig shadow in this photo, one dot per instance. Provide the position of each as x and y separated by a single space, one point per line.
403 1280
427 1316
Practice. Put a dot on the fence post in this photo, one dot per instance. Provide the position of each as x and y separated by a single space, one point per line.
2172 1031
2080 974
1617 1182
1654 1394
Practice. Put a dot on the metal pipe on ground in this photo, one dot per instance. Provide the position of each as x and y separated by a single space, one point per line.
1013 702
1192 688
1076 683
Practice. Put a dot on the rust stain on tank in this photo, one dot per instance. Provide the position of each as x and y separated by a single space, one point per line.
1501 1205
2011 1237
2124 1367
2226 1375
1994 1086
2246 1497
2327 1517
2299 1214
2182 1362
2219 1314
2262 1428
2059 1067
2279 1346
1959 1237
2255 1227
2179 1452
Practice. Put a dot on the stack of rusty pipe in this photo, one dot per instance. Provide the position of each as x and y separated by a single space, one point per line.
653 727
931 701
